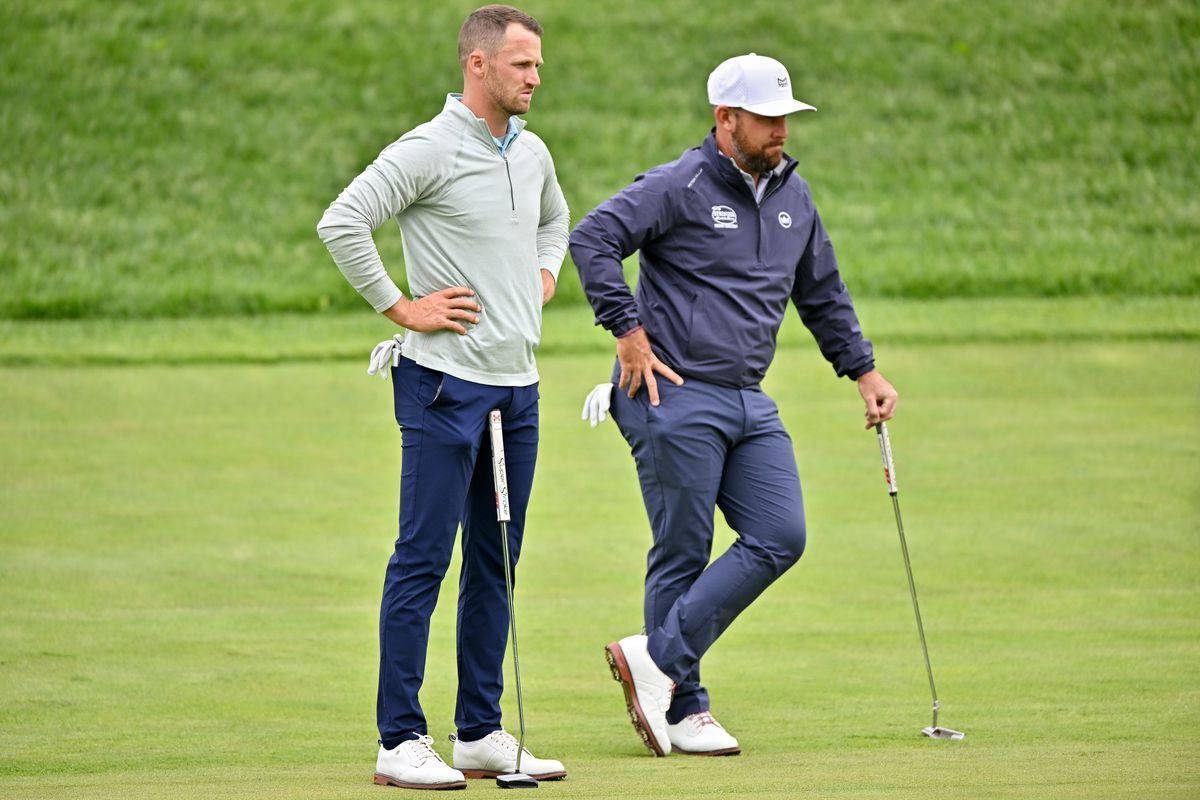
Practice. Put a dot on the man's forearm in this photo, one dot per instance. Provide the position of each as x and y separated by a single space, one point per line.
381 190
347 233
362 267
604 284
552 238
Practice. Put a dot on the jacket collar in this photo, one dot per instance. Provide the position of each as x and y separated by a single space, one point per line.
478 128
729 172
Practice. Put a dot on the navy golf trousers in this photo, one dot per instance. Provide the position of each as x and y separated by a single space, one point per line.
706 447
446 479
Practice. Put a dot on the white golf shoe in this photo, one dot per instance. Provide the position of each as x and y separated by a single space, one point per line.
414 764
647 690
496 754
700 735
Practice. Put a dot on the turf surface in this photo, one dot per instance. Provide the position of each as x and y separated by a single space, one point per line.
195 513
191 558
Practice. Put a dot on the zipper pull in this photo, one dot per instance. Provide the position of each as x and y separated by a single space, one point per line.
512 197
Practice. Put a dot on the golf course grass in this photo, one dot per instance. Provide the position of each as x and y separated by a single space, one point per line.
172 158
192 555
198 483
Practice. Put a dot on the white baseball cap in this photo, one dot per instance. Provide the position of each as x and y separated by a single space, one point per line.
756 83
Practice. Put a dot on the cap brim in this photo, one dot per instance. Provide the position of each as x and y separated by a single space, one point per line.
779 108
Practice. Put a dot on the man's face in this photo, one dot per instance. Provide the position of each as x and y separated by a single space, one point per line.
511 73
758 141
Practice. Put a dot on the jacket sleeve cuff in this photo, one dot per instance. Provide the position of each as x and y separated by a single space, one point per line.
626 328
858 372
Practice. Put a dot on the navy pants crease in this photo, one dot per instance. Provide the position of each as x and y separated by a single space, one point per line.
707 447
446 481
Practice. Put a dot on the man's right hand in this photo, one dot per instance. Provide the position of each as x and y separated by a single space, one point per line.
638 364
436 312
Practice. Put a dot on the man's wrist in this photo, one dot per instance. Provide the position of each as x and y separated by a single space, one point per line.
627 329
859 375
398 312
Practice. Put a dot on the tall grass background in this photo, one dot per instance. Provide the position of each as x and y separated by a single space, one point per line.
171 158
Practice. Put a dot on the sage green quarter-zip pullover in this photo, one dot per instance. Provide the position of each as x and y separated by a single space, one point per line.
469 216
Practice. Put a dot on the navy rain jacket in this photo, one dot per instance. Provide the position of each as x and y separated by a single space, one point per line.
717 269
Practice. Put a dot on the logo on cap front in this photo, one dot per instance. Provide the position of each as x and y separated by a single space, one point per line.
783 82
724 217
785 219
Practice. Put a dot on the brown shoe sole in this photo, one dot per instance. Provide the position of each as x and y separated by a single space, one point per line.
622 675
487 773
728 751
385 780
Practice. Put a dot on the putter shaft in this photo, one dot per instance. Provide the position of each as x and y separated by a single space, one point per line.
889 474
912 590
503 516
512 622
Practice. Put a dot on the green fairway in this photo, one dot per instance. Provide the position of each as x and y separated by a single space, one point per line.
191 558
198 483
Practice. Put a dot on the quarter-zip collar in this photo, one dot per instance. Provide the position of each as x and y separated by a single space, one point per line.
476 126
730 173
759 187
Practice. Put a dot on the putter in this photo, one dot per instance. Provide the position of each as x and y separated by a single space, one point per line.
934 731
517 779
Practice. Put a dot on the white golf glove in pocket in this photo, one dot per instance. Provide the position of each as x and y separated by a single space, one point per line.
385 355
596 404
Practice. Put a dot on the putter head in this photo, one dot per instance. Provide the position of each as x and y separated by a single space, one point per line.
516 780
939 732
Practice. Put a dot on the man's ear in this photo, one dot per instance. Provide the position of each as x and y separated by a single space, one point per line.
725 117
476 63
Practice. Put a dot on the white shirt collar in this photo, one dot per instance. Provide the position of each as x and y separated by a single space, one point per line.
756 189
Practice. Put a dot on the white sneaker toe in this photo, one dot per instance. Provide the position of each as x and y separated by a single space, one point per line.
496 754
414 764
700 735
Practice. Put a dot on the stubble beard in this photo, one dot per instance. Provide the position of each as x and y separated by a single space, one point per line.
514 105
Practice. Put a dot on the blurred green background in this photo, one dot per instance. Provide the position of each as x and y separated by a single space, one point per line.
172 158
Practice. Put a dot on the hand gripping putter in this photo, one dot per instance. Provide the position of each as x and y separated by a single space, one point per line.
889 473
517 779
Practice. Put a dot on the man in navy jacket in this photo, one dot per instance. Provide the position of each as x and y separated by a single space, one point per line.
727 233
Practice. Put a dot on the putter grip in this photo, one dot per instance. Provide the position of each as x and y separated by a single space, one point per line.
885 450
499 478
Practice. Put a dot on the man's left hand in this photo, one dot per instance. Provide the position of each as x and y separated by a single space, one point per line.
879 396
548 284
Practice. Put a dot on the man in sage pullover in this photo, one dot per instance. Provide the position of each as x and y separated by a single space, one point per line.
484 225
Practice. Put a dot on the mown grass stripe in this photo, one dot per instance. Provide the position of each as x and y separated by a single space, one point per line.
283 338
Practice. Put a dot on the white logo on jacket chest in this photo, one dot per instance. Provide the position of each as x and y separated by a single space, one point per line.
785 219
724 217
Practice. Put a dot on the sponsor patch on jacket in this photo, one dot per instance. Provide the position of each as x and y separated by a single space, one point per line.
724 217
785 219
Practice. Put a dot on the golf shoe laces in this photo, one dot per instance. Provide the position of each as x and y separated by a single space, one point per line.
421 750
508 742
